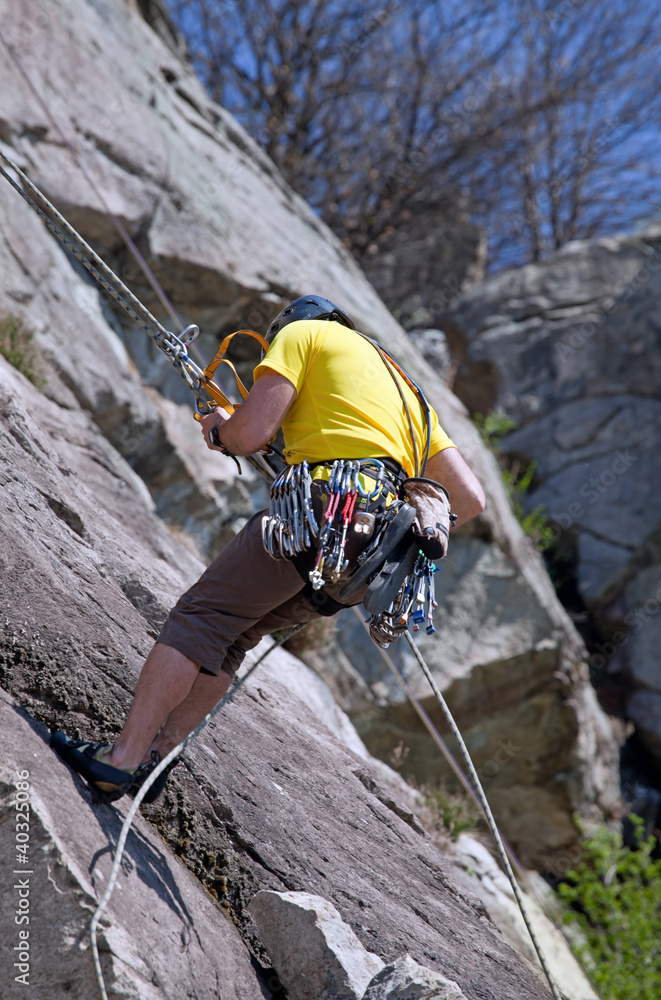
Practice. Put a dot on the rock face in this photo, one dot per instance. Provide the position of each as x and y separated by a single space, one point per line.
161 936
209 214
571 350
481 875
268 797
433 345
427 259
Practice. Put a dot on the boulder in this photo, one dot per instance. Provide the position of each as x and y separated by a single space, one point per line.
315 954
406 980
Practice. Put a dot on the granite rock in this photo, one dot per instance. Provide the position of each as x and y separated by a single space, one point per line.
406 980
315 954
267 797
161 936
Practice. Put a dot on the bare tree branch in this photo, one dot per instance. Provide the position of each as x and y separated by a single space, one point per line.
536 119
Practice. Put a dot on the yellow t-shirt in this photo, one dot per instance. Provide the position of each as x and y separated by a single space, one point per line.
347 404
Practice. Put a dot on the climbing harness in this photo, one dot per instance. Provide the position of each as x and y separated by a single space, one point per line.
291 526
199 380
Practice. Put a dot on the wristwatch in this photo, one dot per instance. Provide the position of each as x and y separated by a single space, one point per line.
214 439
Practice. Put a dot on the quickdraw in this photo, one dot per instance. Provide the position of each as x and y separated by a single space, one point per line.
290 526
346 488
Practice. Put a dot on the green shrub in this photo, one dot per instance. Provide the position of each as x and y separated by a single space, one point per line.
517 479
493 426
614 894
17 347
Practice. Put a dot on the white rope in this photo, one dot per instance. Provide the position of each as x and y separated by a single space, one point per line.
175 350
130 816
108 279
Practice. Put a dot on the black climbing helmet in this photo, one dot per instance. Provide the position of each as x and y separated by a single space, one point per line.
308 307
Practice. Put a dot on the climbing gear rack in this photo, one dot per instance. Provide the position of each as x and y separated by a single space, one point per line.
414 606
290 526
346 489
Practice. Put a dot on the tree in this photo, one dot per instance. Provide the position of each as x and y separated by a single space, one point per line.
585 161
534 119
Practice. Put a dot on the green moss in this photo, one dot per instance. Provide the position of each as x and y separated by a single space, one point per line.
493 427
16 345
452 812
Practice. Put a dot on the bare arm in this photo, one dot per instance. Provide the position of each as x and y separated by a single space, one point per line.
466 495
257 419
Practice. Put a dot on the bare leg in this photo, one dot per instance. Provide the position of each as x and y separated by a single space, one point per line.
167 678
204 695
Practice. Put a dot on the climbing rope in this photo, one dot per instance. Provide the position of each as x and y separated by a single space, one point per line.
74 242
130 816
175 348
198 380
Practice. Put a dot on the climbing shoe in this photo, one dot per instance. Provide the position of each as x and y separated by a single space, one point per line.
87 760
142 772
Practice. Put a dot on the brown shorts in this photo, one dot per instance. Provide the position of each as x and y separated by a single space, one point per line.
244 595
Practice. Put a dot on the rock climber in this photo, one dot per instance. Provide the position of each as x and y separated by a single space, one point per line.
355 428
